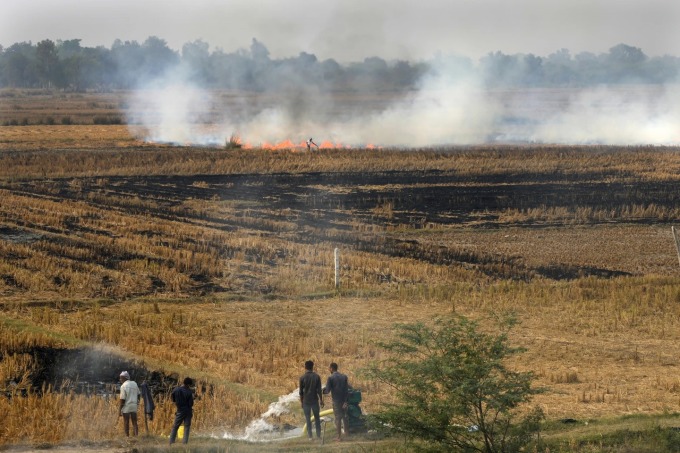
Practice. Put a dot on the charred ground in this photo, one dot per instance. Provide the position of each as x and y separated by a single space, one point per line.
414 214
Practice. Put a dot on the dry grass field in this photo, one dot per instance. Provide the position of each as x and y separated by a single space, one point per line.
218 264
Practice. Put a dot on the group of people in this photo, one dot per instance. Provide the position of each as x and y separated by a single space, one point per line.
182 396
311 398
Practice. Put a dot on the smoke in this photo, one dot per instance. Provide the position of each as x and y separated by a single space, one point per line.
443 110
615 115
449 105
174 110
262 430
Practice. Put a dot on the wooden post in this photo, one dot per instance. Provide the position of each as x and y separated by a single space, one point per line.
677 242
337 268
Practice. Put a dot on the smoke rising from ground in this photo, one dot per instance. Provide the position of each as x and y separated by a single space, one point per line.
615 115
449 104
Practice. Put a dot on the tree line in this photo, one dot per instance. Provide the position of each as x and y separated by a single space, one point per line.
67 65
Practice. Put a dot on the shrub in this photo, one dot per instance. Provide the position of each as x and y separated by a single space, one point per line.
453 390
234 142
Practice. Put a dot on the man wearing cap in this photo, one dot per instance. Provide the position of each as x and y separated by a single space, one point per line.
129 400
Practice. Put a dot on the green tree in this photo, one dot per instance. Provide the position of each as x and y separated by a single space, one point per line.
196 60
18 65
158 57
48 63
453 389
626 63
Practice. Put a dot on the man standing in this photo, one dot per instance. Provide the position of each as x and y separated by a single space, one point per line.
337 385
311 398
129 400
184 400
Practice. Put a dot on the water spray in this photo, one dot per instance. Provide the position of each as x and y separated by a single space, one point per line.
261 430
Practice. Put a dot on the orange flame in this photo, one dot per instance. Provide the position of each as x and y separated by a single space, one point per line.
296 147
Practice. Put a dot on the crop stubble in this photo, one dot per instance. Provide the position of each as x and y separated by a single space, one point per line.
220 262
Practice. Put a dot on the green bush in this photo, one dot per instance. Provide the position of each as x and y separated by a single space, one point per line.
453 389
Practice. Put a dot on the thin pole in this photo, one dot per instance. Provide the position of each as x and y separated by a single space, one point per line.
677 242
337 268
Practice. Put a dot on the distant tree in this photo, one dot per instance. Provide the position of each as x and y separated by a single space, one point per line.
331 73
308 69
532 70
68 48
196 60
258 51
19 65
232 70
369 75
403 75
626 63
499 69
259 67
69 53
47 63
662 69
558 69
453 388
158 57
97 68
128 58
67 64
627 55
589 68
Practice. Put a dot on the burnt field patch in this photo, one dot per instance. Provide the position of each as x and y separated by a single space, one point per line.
328 199
124 236
90 371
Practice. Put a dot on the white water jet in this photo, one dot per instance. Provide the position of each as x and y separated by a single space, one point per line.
261 430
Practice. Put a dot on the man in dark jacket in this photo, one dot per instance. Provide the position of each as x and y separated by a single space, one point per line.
311 398
338 386
184 400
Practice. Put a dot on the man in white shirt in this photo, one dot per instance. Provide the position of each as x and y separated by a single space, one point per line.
129 401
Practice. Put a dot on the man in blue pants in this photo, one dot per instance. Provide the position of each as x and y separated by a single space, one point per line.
184 400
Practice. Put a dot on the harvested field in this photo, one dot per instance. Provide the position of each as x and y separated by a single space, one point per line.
218 264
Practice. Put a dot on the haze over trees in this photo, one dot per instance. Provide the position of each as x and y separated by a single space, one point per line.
67 65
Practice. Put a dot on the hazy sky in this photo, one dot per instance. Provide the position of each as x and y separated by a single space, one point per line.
351 30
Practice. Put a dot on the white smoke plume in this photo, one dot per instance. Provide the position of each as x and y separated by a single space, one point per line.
174 110
443 110
616 115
